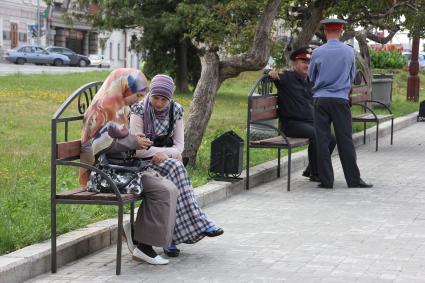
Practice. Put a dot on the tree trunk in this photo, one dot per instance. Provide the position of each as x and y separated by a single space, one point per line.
311 23
182 84
363 58
309 27
214 72
202 105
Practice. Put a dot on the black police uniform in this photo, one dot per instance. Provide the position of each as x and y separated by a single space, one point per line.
296 113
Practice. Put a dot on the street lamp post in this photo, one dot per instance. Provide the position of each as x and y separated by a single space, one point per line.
413 80
38 22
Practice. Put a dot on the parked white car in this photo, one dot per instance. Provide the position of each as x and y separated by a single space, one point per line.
98 60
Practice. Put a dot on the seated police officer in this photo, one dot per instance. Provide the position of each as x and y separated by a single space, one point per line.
296 106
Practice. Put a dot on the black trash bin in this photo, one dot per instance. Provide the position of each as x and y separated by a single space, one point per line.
226 156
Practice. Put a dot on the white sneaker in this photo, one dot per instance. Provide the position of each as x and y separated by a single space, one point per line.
127 237
138 255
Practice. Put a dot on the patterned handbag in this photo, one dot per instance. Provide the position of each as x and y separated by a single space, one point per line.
126 176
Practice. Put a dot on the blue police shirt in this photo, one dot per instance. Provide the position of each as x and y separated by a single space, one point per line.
332 70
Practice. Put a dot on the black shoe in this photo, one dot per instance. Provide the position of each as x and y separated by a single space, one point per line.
314 178
306 173
172 252
362 184
324 187
215 233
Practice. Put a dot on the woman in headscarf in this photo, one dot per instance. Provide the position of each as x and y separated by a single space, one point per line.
105 130
160 119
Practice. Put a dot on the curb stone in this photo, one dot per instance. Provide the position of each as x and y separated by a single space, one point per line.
34 260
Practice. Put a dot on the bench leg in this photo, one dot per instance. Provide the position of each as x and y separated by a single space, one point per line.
364 132
119 238
247 168
278 162
132 219
392 129
288 186
53 236
377 135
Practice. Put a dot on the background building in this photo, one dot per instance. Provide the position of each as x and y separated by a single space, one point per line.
18 26
18 19
115 48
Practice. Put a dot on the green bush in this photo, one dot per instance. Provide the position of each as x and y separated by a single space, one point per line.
387 59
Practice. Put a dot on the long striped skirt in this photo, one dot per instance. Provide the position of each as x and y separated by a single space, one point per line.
191 222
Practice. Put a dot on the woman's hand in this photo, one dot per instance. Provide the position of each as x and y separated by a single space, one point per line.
178 157
159 157
143 142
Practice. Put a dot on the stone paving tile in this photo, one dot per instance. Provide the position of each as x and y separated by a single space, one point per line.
308 235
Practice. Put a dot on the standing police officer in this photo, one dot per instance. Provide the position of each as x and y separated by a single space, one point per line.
332 71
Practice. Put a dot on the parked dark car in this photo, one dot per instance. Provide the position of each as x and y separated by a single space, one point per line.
36 55
76 59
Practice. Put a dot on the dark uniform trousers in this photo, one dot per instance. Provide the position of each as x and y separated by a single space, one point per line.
304 129
336 111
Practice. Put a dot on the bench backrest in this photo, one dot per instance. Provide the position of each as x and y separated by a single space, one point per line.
70 150
262 101
359 93
359 90
64 150
263 108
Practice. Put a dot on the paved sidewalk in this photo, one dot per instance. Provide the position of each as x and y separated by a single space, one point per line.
306 235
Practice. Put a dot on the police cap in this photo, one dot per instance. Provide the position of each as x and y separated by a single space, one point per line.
303 53
333 24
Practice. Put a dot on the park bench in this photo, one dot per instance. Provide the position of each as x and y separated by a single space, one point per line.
66 152
263 107
359 97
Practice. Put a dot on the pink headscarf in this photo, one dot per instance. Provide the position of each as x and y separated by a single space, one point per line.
108 105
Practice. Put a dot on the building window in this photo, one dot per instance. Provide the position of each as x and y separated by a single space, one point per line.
1 31
118 51
23 36
6 35
110 51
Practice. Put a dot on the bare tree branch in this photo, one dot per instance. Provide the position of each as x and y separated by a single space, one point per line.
260 50
378 39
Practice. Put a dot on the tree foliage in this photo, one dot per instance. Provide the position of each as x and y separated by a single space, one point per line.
231 36
227 37
161 41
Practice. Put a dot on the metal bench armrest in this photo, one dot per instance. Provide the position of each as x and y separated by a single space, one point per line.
365 107
380 103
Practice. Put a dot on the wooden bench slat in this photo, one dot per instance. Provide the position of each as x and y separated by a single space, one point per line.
263 102
280 141
263 115
359 98
360 89
71 192
82 194
70 149
370 117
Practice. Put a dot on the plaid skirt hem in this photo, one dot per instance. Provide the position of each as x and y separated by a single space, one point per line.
191 221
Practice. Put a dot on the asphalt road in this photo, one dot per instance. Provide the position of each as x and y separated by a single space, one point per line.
9 68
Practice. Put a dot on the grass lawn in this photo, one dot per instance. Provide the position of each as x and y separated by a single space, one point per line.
27 103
